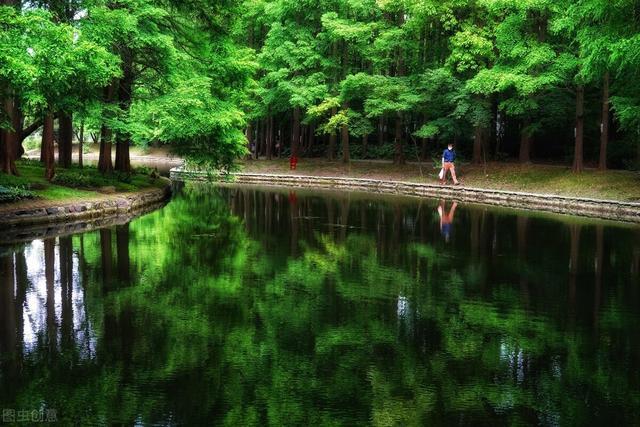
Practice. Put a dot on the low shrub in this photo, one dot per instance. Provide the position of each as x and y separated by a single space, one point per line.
90 178
77 178
15 194
13 181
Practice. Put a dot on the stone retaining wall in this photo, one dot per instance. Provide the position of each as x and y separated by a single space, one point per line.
71 213
606 209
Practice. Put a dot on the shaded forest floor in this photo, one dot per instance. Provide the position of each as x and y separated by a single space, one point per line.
531 178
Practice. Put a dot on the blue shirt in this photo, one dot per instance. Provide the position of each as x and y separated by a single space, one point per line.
449 155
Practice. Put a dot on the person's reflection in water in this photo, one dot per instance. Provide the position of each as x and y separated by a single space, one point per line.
446 219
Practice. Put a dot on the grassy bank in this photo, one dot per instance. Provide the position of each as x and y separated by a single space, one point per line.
69 184
545 179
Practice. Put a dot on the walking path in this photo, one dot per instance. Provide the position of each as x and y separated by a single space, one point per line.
606 209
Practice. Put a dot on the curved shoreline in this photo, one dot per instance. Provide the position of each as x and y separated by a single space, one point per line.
594 208
19 220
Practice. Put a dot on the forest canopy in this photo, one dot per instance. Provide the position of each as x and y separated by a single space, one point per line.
396 79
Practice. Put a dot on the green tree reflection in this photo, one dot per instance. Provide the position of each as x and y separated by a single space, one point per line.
208 312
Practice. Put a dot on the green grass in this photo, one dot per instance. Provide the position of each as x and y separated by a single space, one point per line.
73 183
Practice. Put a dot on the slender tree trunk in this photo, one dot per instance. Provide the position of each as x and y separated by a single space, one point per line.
312 136
8 140
604 134
578 161
105 163
80 144
332 139
18 125
365 144
249 136
302 148
478 143
344 136
424 148
125 92
65 139
26 132
381 131
270 137
259 135
47 147
525 143
295 132
399 151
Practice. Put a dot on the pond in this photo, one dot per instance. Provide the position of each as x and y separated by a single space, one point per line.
248 306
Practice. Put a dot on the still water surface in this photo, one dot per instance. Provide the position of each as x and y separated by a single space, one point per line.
244 306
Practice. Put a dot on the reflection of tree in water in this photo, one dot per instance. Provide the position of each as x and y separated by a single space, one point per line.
208 308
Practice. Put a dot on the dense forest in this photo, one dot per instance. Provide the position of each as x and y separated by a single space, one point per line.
554 79
126 71
396 79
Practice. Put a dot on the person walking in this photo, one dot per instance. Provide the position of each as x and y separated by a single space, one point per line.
448 159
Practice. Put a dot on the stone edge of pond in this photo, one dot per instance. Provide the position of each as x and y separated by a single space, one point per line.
14 221
595 208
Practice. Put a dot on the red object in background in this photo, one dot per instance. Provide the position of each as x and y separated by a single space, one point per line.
293 162
293 198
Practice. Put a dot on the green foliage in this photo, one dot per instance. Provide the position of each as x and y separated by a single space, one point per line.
326 314
14 194
90 178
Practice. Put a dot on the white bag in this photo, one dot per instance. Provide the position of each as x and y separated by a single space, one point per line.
441 174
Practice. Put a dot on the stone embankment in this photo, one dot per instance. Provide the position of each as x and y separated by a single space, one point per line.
36 217
605 209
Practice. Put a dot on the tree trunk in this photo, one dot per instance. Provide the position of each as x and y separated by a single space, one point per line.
344 136
28 131
269 137
259 133
47 147
105 163
525 148
18 125
525 143
478 143
365 143
604 134
399 152
249 136
123 158
8 140
332 139
381 131
424 148
65 139
125 91
578 160
295 132
80 144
